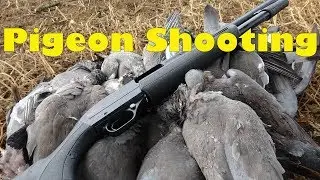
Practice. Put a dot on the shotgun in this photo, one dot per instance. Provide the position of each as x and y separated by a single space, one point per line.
117 112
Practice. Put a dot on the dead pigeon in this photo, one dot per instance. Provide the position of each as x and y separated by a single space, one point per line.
56 116
281 78
115 157
290 138
219 133
237 85
122 63
170 159
175 109
23 112
200 118
14 159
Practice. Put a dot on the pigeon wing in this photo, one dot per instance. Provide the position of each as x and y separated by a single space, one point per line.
211 19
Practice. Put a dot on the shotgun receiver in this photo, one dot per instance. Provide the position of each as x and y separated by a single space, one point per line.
118 111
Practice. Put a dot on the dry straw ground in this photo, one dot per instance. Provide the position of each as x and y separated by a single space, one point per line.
22 70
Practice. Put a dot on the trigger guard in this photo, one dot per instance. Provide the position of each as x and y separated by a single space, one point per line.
111 126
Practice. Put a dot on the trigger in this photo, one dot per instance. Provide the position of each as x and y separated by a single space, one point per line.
125 119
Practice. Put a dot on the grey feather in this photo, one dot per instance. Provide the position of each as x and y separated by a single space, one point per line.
285 94
194 77
251 64
216 67
306 71
273 29
151 59
13 160
225 66
79 73
112 85
172 22
170 159
118 64
211 20
12 163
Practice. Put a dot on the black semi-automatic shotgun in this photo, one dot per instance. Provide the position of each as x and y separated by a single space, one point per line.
118 111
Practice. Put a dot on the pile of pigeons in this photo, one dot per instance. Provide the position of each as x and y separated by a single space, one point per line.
236 120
